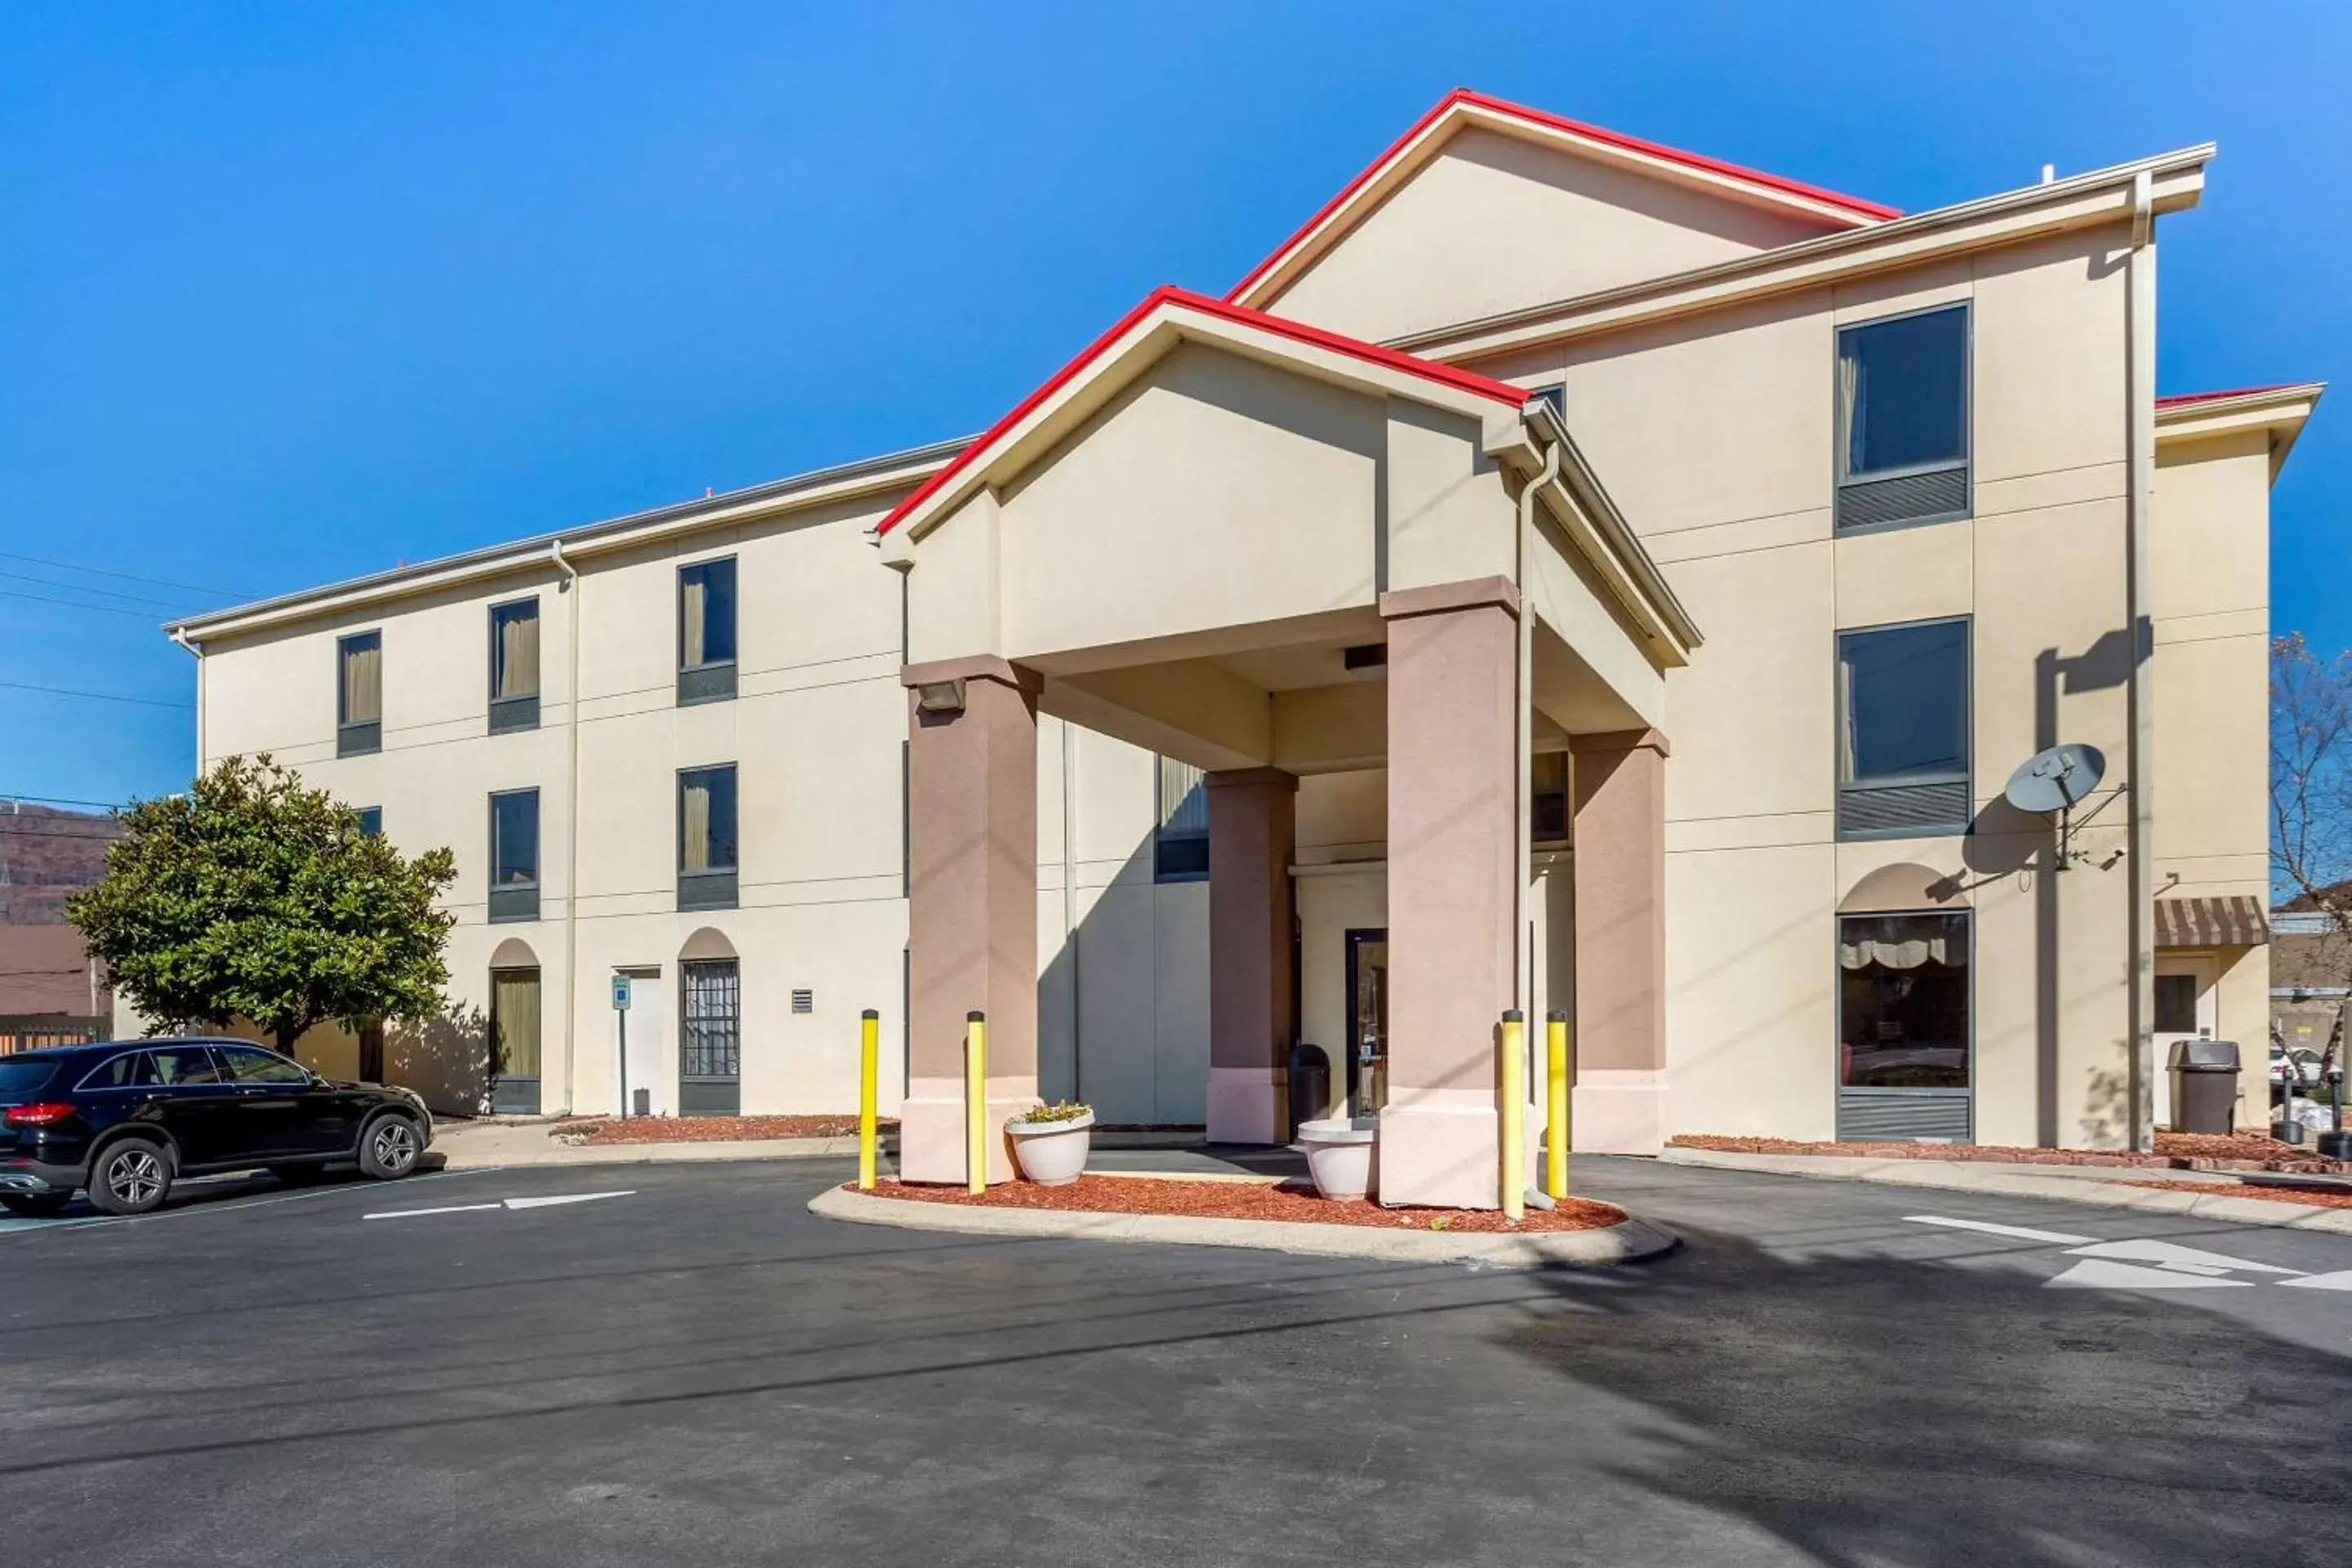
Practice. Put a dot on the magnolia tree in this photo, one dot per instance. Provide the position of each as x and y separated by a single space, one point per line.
252 896
2311 798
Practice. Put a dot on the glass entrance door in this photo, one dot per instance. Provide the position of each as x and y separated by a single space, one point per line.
1367 1022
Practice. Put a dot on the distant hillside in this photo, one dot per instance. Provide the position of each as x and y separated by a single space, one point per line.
45 854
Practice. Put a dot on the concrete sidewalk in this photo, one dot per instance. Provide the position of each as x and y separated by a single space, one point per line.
2105 1186
480 1145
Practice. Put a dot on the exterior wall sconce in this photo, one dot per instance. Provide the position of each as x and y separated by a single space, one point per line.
940 697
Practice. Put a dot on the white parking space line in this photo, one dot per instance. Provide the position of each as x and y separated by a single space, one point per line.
2020 1232
501 1204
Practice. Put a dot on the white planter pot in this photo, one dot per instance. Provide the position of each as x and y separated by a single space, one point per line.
1340 1152
1052 1154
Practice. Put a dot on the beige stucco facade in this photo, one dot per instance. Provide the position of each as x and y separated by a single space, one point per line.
1316 542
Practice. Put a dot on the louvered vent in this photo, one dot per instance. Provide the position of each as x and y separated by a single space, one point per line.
1902 1115
1907 498
1887 811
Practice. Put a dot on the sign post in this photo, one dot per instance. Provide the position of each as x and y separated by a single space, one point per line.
621 1008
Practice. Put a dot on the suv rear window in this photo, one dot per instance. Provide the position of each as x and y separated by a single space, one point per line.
21 1077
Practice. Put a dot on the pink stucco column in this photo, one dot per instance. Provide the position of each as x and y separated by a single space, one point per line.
1251 833
1619 787
1452 811
973 907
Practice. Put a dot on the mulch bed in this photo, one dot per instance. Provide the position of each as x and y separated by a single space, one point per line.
2174 1152
2268 1194
1289 1201
710 1128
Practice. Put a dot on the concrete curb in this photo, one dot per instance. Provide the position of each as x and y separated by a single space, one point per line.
1627 1243
2076 1186
555 1154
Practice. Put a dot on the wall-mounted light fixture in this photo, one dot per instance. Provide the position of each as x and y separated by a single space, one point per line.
940 696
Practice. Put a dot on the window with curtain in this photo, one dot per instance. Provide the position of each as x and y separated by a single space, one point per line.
514 666
705 631
1547 798
1902 1001
706 838
359 693
1180 849
1903 419
1902 731
514 855
514 1041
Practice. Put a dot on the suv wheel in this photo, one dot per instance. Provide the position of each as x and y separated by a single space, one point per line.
389 1147
34 1206
132 1176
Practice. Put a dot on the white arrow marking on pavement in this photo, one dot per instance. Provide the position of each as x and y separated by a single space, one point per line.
2097 1274
2339 1280
2172 1254
566 1198
411 1213
2018 1231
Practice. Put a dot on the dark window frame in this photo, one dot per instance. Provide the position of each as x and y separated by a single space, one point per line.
1966 917
1183 855
512 902
713 680
358 737
1846 483
1850 791
368 829
509 715
713 886
710 1039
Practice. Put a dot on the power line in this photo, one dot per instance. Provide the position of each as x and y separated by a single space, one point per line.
168 605
124 576
147 616
64 800
96 696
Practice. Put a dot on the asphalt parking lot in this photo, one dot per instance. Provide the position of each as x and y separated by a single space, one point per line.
689 1368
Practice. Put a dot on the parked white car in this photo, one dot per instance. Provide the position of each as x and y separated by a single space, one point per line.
2305 1067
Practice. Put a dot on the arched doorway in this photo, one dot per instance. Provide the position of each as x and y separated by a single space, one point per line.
711 1026
1907 1046
515 1030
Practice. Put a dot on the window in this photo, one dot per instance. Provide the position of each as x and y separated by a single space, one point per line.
1180 849
129 1070
514 1042
706 632
1902 1001
1554 397
372 821
359 694
1547 798
1902 731
514 666
514 855
710 1039
27 1078
177 1065
2176 1004
706 838
1903 420
249 1063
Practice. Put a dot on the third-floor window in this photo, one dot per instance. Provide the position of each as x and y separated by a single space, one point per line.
706 632
359 694
514 666
1903 420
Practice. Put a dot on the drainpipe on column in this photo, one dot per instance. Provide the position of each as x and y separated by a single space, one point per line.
180 636
2139 416
1523 736
570 827
1070 913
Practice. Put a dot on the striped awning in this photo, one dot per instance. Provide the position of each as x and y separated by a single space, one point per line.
2235 921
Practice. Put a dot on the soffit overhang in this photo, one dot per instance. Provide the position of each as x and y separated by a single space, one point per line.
2281 411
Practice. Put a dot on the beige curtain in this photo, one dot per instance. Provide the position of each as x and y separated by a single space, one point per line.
697 826
519 656
362 683
1908 954
514 1002
1849 413
1845 719
692 600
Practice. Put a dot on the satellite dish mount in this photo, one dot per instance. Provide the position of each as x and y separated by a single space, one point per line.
2057 780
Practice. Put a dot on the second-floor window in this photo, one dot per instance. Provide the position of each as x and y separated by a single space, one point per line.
1902 731
1903 420
371 821
1180 849
359 694
706 837
514 666
514 855
706 632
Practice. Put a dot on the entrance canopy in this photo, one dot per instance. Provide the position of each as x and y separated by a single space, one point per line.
1195 535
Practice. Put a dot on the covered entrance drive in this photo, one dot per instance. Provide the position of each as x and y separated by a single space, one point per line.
1278 554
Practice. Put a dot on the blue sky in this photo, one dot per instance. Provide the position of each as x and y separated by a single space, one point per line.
292 292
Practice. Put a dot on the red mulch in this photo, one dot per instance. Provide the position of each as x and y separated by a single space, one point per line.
2315 1199
2174 1152
1250 1200
710 1128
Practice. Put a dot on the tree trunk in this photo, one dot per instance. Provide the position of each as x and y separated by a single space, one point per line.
285 1035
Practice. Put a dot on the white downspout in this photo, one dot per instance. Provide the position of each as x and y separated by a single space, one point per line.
2139 409
1523 736
571 827
180 636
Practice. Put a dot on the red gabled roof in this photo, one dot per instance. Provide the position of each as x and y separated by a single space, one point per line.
1168 297
1463 96
2182 399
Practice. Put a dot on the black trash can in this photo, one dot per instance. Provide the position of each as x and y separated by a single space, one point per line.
2204 1086
1310 1085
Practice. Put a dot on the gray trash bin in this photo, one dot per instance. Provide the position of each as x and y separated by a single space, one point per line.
1310 1085
2204 1086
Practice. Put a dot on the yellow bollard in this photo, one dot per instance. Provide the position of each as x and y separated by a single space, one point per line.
1514 1140
869 1030
1556 1104
975 1103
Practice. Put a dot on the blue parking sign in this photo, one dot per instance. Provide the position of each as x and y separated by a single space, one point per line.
620 993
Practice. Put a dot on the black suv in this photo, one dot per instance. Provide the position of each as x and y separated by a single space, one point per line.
125 1119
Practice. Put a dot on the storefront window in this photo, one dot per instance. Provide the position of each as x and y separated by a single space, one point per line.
1902 1010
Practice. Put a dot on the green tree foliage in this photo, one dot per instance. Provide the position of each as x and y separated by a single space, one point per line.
253 897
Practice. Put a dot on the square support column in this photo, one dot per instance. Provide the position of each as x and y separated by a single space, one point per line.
972 825
1620 801
1452 817
1253 817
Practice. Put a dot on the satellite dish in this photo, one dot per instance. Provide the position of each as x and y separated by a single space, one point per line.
2057 779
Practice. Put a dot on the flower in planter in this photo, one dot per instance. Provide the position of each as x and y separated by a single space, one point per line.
1059 1111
